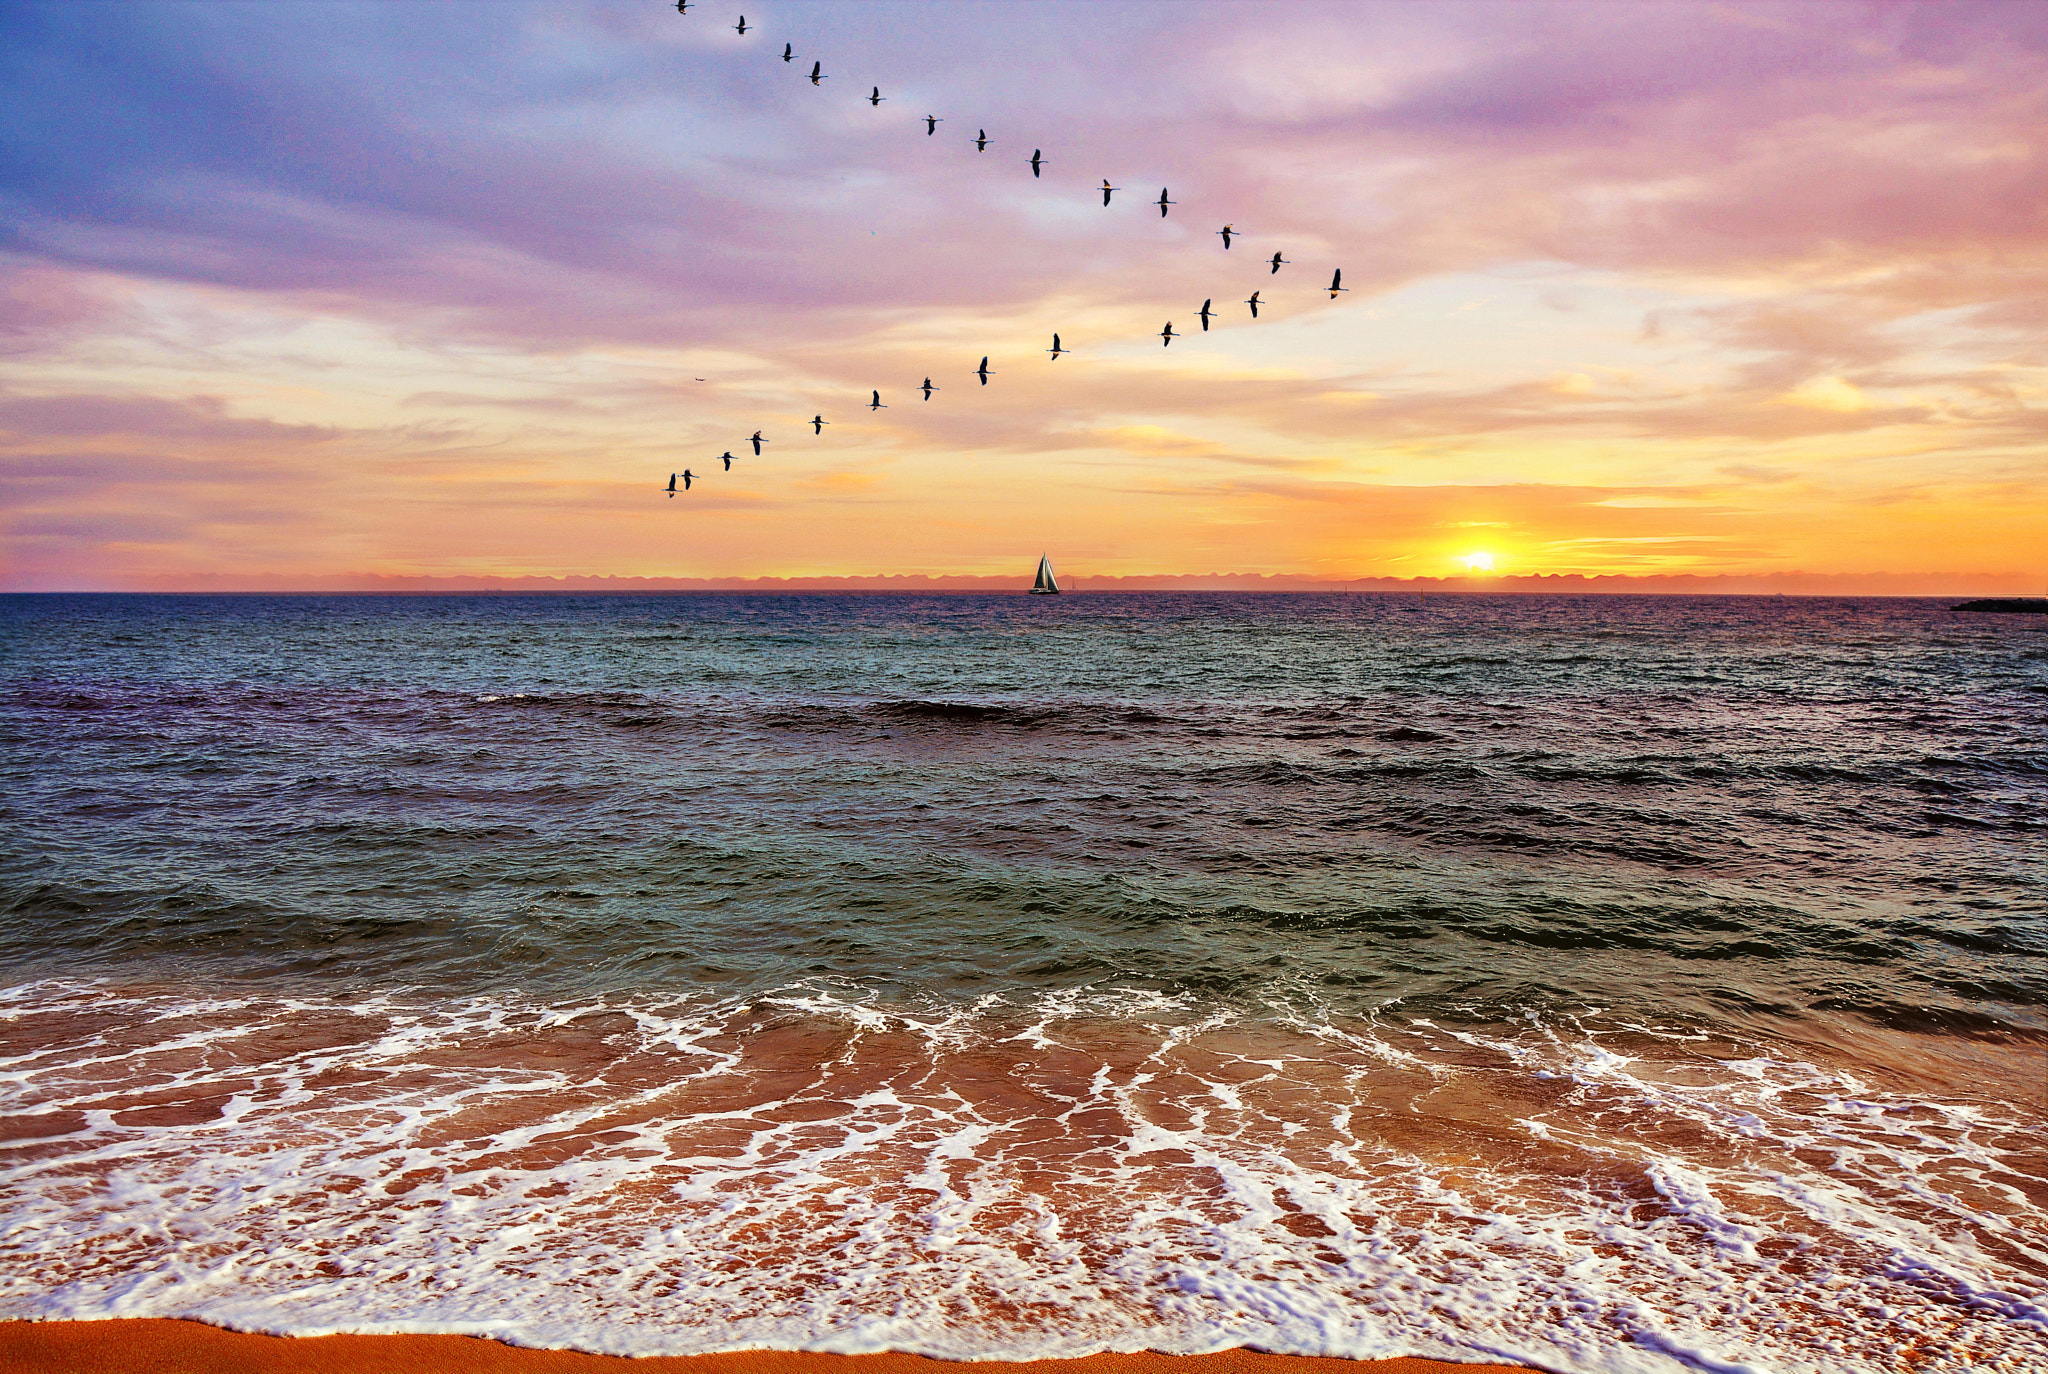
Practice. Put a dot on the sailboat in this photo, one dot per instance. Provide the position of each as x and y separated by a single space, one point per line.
1046 584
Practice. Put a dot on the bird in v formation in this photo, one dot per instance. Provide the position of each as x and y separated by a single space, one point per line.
1037 164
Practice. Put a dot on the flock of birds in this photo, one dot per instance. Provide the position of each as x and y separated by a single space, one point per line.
1037 163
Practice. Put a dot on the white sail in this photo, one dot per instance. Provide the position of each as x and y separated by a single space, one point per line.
1046 584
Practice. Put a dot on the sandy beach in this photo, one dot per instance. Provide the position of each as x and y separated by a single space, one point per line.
151 1346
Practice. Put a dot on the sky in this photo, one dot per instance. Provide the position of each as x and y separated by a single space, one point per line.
297 289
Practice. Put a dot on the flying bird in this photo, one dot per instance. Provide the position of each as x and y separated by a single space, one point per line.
817 72
818 423
687 475
1036 162
1163 202
1337 284
1279 262
1226 231
727 456
1107 188
788 53
1166 335
876 404
1056 350
1205 312
928 388
875 97
931 125
757 441
672 477
741 27
682 7
981 140
982 371
1254 304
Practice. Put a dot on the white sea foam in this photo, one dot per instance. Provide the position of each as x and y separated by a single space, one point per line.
819 1169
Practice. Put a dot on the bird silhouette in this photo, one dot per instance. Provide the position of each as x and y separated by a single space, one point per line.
876 404
1166 335
1254 304
1056 350
1163 202
788 53
931 125
672 476
817 72
682 7
757 441
1226 231
982 371
1036 162
875 97
981 140
818 423
687 476
1337 284
741 27
727 456
1278 262
1205 312
1107 189
928 388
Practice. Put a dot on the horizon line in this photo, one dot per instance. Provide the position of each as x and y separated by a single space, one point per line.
1787 583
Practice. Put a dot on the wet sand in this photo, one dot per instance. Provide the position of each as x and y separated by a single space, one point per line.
153 1346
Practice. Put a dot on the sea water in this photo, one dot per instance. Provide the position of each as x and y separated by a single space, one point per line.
1607 983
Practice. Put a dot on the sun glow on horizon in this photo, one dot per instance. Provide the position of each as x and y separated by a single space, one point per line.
1479 562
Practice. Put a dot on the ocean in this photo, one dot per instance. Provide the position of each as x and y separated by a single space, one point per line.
1605 983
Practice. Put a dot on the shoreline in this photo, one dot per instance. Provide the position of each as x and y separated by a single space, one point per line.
166 1345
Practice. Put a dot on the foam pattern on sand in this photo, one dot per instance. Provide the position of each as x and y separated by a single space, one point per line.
1054 1176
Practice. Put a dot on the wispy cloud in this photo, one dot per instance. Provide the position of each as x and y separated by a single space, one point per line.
400 279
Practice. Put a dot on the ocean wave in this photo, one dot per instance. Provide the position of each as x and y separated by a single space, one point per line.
1037 1176
1059 715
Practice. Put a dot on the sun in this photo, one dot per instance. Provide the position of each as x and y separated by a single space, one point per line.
1478 562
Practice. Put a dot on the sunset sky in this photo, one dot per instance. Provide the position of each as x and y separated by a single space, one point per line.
423 287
